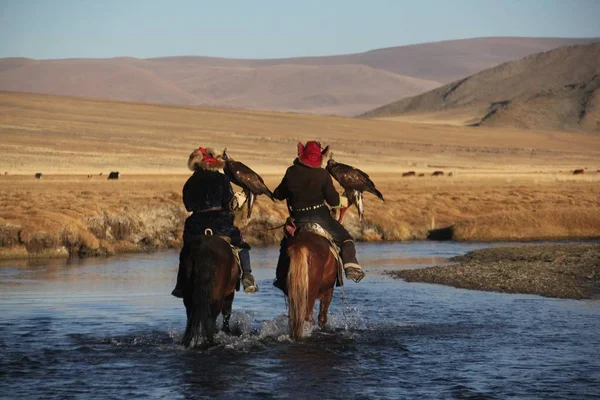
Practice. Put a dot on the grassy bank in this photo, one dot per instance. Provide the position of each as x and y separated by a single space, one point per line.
66 215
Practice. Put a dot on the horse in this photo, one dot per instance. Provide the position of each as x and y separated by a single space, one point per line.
312 275
213 276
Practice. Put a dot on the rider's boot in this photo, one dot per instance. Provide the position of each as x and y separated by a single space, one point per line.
352 268
250 285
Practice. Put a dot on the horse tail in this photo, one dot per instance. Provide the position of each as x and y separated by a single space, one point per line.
201 310
297 281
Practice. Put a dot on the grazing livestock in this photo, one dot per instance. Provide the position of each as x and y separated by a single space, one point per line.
578 171
438 173
113 175
251 183
409 173
355 182
38 175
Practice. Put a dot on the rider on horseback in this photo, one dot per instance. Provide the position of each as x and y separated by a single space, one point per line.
306 187
209 195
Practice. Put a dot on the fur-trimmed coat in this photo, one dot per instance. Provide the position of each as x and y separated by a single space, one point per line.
209 189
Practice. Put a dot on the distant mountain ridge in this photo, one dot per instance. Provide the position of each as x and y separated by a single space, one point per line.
555 90
342 84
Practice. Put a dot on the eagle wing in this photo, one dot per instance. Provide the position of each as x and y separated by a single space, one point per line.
351 178
246 178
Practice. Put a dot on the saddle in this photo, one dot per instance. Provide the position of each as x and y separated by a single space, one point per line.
291 229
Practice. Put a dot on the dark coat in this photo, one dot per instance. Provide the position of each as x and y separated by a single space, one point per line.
204 190
304 186
207 189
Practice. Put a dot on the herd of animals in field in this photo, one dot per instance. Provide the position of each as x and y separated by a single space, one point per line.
353 181
265 190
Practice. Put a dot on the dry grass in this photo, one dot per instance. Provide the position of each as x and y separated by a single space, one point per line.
50 134
506 183
78 215
61 215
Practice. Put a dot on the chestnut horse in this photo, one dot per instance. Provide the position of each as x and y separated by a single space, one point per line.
312 275
213 275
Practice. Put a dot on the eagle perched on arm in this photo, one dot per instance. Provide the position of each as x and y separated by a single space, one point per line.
355 182
251 183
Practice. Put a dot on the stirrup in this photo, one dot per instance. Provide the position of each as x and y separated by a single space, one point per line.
354 271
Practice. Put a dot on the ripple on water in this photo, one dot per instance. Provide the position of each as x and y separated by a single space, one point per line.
118 337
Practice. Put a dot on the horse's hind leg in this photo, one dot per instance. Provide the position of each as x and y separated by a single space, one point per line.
324 306
227 306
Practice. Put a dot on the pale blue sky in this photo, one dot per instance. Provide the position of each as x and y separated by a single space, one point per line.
270 28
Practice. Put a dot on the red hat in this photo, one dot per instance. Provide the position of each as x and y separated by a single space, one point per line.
311 154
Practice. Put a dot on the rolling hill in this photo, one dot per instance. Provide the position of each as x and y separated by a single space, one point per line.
343 85
553 90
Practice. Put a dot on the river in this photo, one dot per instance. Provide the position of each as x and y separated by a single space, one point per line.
108 328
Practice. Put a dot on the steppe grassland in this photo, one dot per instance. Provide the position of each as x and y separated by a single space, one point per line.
51 134
506 184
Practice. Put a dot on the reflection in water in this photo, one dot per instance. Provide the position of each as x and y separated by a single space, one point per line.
99 328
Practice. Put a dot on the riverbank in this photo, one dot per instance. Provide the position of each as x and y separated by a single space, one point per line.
66 215
553 270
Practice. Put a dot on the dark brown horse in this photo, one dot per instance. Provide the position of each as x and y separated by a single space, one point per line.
311 276
213 275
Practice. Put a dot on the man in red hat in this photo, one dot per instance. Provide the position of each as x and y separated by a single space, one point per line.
209 196
307 187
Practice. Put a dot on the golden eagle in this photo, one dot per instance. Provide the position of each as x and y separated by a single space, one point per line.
355 182
250 182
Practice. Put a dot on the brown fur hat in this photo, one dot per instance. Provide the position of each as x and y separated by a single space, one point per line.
205 158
